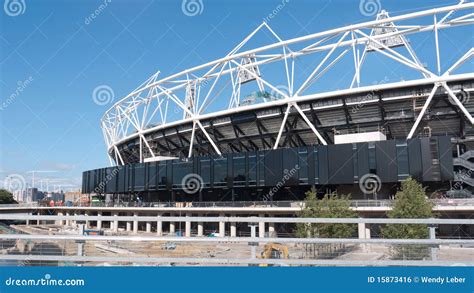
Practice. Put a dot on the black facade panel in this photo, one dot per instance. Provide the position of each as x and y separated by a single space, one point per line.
426 159
386 156
139 177
91 184
311 166
445 158
323 167
152 176
230 170
129 177
290 163
414 159
169 174
362 154
391 160
122 180
273 167
162 179
111 180
341 168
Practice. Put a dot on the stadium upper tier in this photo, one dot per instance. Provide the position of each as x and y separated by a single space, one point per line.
303 91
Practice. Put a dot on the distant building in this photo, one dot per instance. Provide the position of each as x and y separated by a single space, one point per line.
73 196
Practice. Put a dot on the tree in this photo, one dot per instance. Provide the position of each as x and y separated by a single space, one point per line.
410 202
6 197
330 206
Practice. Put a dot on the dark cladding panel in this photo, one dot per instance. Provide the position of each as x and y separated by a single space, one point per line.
180 170
152 174
129 177
261 168
311 165
290 162
162 179
445 158
122 180
391 160
402 160
111 180
322 164
386 158
341 168
362 154
92 180
139 177
426 159
273 167
220 171
414 159
84 188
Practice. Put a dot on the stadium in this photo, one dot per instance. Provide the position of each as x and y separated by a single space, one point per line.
270 120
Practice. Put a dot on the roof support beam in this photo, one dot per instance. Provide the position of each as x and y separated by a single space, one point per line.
320 138
423 110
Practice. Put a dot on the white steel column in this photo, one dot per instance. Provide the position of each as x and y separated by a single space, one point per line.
222 227
321 139
261 227
99 222
233 229
135 224
187 227
200 231
458 103
115 223
423 110
159 227
282 127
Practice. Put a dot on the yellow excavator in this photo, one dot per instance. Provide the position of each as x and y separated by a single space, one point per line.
274 251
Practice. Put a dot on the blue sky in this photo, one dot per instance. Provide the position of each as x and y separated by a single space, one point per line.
61 54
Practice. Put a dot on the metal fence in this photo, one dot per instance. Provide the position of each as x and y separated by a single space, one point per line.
354 203
72 247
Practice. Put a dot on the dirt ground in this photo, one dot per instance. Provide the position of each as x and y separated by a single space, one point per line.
220 250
